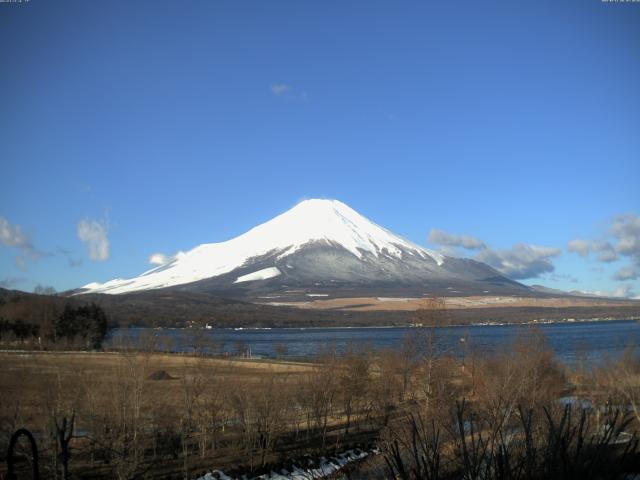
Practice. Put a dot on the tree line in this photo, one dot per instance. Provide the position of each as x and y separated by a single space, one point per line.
52 324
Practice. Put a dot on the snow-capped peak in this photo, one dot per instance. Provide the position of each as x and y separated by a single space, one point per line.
315 220
333 221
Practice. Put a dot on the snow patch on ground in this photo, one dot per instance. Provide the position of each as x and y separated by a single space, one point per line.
263 274
324 469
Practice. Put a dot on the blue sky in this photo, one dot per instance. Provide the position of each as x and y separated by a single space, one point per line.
131 128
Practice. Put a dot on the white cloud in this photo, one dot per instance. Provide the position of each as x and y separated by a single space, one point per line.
465 241
626 229
94 234
581 247
280 88
623 241
13 236
521 261
623 291
289 93
563 276
626 273
606 251
518 262
160 259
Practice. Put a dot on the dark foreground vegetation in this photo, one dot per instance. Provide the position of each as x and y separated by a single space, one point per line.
45 322
143 414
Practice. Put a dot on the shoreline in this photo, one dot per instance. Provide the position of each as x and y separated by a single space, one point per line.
368 327
111 348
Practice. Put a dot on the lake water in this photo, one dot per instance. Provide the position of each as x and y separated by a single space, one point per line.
594 340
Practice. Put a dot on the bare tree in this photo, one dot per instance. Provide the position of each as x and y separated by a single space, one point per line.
319 393
526 375
385 388
211 414
61 401
430 346
354 380
125 420
623 382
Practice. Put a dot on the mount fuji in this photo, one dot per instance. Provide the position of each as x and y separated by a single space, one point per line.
319 248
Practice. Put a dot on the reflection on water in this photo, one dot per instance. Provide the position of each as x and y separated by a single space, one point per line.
571 341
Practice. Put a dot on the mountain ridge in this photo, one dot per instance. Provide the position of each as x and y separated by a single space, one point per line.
321 245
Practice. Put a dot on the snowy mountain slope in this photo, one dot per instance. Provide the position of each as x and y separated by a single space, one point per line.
263 274
317 242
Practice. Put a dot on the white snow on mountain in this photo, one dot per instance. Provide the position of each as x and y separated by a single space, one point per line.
263 274
309 221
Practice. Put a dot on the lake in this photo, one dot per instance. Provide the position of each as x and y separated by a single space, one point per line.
593 340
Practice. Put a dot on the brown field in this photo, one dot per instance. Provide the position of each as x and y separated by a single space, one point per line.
192 401
33 366
373 304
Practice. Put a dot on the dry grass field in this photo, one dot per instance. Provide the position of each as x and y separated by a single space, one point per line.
409 304
163 414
